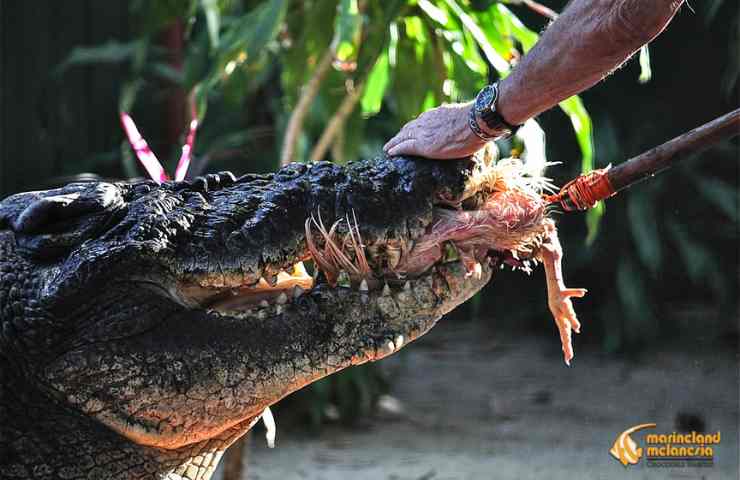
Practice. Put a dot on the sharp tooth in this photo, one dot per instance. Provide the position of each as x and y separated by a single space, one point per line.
478 271
279 309
283 276
363 286
389 347
386 290
398 341
407 286
299 270
297 291
264 303
282 299
394 257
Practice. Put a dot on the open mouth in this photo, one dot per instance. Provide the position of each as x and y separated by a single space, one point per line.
499 219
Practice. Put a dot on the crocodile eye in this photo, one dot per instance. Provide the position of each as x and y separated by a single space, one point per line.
48 223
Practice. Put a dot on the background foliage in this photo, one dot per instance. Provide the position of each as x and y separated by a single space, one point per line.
665 248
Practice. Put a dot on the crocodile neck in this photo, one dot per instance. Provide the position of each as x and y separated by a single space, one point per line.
42 439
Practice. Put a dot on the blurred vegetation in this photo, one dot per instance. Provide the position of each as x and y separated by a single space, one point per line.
665 247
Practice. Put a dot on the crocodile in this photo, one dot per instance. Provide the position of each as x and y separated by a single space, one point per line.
145 327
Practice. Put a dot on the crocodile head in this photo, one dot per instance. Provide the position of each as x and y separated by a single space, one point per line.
171 316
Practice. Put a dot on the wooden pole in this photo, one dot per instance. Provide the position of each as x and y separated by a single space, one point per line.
666 155
586 190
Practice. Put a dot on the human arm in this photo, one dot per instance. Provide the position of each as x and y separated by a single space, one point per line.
587 42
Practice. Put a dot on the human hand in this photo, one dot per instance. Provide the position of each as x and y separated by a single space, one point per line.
442 132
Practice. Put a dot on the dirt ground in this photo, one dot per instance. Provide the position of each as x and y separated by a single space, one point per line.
476 406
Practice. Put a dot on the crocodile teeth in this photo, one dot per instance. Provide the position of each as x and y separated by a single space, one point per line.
386 290
389 347
269 422
283 276
363 286
282 299
279 309
394 256
398 341
297 291
407 286
299 270
264 303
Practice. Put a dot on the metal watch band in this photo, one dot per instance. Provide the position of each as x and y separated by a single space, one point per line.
473 122
485 109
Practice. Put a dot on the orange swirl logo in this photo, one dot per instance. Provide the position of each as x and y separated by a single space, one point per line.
625 449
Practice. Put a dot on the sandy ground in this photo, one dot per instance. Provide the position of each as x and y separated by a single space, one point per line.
476 406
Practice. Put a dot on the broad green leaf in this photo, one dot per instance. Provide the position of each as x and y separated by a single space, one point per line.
347 31
393 45
247 38
497 33
109 52
644 229
434 12
639 319
498 62
201 91
697 259
646 72
129 90
722 194
581 121
526 36
377 82
377 36
168 72
213 20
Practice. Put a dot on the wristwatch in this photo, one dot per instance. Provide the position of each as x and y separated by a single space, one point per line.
485 120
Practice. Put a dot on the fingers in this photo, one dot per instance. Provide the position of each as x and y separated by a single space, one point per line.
565 340
406 147
574 292
402 136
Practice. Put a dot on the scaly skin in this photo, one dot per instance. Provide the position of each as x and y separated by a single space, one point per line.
116 359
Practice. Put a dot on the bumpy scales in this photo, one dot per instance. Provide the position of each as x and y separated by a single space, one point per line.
145 327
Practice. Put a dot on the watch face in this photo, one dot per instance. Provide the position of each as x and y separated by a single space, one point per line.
485 98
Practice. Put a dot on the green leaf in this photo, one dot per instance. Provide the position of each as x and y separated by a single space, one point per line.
109 52
639 319
377 82
644 228
247 38
347 31
722 194
646 72
697 259
581 121
129 90
213 20
498 62
526 36
168 72
434 12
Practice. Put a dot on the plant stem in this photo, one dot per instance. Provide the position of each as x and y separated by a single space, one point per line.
308 94
337 121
